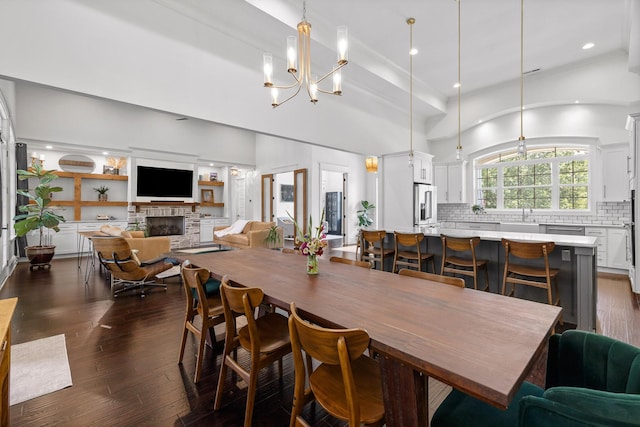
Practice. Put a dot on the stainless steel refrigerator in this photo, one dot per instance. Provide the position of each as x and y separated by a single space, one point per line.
424 205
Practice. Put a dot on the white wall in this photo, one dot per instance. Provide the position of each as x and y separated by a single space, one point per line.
280 155
83 122
606 123
78 47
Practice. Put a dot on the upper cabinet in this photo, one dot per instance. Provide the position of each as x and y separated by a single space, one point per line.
615 172
422 168
450 182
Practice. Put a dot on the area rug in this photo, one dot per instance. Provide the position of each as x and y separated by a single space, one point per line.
38 367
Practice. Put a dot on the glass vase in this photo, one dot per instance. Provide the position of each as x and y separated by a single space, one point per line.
312 264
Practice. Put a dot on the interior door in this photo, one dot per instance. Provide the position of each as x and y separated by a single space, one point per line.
267 198
300 198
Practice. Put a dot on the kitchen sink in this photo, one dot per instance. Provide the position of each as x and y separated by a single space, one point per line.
520 227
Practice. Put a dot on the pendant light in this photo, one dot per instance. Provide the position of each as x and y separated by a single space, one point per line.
411 21
459 146
522 144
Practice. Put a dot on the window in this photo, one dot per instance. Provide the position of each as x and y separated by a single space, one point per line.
551 178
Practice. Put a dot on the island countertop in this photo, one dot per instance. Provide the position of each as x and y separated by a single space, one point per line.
574 257
558 239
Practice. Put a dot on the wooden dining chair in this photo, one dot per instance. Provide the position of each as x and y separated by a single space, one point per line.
290 251
455 281
266 338
409 253
348 261
455 264
373 247
347 383
203 301
539 276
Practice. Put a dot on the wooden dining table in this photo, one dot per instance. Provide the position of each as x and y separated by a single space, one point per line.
481 343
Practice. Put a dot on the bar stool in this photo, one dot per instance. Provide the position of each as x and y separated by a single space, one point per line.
543 277
371 252
465 266
411 258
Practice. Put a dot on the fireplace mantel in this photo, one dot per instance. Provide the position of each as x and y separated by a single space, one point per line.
193 205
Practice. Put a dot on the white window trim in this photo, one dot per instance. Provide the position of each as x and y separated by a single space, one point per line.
575 142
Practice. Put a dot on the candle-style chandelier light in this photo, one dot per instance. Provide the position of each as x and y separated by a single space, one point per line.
299 55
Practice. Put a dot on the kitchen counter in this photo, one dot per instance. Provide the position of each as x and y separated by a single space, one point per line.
574 256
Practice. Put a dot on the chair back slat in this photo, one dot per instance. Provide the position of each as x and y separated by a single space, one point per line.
455 281
322 344
528 250
408 239
348 261
460 244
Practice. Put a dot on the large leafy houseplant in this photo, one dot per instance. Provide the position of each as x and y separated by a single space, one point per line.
364 220
37 214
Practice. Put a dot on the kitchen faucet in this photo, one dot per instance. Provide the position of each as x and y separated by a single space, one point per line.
524 215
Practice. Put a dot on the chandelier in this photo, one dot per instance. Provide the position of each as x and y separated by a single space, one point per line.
299 54
522 145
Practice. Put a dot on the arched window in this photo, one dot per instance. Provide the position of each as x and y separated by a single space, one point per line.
548 178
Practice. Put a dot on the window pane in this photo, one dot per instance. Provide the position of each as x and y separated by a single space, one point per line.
489 199
525 183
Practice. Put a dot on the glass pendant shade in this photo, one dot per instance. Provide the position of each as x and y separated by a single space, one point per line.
371 164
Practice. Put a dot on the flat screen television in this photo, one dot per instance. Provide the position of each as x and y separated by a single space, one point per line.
162 182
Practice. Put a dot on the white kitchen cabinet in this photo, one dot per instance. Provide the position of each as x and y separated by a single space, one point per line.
484 226
615 173
397 180
601 234
617 243
206 229
450 180
422 168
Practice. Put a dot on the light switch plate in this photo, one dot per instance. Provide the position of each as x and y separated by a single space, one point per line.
566 255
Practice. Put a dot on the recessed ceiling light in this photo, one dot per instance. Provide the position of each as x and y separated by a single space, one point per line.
588 46
210 164
48 147
456 85
105 153
577 102
413 51
479 121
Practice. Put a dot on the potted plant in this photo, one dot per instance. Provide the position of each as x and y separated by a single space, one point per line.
102 193
37 214
273 238
364 220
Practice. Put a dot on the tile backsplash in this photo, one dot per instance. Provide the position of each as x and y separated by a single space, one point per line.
606 213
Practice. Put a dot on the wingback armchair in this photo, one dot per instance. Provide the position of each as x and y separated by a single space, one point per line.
592 380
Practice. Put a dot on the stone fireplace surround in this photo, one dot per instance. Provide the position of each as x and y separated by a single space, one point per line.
190 236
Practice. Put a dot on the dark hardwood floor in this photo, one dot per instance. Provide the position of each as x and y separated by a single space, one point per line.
123 356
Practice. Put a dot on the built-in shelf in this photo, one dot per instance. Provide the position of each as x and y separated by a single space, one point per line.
211 183
214 205
77 203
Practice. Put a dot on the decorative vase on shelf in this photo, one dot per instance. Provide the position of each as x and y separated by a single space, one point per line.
103 197
312 264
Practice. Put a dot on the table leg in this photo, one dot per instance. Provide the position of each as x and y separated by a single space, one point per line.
405 394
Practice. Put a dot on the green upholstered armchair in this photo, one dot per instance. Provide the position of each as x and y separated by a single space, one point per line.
592 380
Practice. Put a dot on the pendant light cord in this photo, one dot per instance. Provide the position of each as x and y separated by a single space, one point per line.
411 21
521 69
459 147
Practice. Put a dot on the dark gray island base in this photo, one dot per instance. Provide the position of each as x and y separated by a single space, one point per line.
575 256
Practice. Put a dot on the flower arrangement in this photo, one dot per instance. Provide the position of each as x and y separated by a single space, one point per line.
312 243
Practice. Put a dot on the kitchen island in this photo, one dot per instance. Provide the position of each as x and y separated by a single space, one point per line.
575 256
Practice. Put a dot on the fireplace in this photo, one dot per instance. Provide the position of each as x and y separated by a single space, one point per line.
165 225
